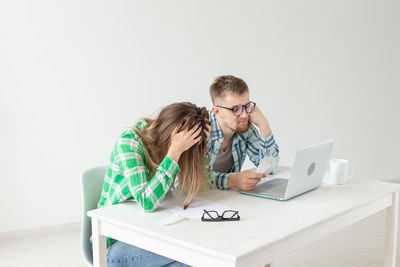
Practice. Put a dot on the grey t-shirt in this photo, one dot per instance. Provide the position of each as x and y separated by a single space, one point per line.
224 161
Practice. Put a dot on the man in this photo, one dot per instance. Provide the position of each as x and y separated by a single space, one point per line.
233 134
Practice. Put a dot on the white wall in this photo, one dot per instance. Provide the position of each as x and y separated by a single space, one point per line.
74 73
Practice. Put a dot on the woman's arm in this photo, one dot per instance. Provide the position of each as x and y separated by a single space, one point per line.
147 191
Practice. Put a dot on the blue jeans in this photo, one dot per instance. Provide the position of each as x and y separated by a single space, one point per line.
124 255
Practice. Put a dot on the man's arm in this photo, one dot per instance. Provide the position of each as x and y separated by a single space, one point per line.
261 144
244 180
258 118
220 180
259 147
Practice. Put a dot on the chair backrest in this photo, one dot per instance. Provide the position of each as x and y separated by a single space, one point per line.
92 184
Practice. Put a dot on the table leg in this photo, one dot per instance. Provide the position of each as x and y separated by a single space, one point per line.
392 219
99 245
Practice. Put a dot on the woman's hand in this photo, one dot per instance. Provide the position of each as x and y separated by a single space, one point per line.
182 141
207 131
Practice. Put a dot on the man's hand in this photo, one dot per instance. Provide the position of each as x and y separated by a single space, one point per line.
258 118
244 180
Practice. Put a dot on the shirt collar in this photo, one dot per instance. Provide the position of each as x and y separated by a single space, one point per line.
216 133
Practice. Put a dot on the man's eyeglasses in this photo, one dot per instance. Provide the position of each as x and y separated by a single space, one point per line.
238 109
213 216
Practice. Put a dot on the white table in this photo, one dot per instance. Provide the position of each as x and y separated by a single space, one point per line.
267 230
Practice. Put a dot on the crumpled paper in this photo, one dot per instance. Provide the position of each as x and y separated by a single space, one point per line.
267 165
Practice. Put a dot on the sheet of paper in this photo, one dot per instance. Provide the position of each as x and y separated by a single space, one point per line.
281 173
285 173
195 209
267 165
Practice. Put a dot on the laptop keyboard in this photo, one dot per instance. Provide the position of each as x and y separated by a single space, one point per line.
275 187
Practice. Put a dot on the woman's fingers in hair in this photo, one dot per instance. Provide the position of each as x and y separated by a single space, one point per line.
194 129
207 131
197 140
191 133
175 131
197 132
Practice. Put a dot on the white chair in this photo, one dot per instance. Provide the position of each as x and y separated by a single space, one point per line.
92 184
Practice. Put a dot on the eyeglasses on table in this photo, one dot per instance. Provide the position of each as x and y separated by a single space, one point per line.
214 216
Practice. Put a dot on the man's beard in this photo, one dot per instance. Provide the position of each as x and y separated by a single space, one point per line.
242 129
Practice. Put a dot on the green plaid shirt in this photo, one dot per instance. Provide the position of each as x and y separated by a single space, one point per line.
128 177
250 143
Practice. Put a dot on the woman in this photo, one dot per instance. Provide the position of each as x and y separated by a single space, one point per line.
144 165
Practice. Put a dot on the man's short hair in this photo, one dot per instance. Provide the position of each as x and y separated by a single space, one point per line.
227 84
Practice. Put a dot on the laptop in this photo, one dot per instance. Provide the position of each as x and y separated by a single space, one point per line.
307 174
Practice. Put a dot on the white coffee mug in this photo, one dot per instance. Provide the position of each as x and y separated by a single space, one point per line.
339 170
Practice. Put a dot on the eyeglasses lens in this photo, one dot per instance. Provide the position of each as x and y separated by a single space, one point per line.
250 107
237 110
211 215
229 214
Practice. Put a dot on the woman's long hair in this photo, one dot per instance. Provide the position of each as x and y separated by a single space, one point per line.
157 139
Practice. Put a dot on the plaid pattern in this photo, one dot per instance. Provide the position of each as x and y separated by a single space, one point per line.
128 177
250 143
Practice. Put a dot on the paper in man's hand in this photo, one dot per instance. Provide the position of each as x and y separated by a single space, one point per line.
267 165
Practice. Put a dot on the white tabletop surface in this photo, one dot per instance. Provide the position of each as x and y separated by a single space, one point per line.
262 222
